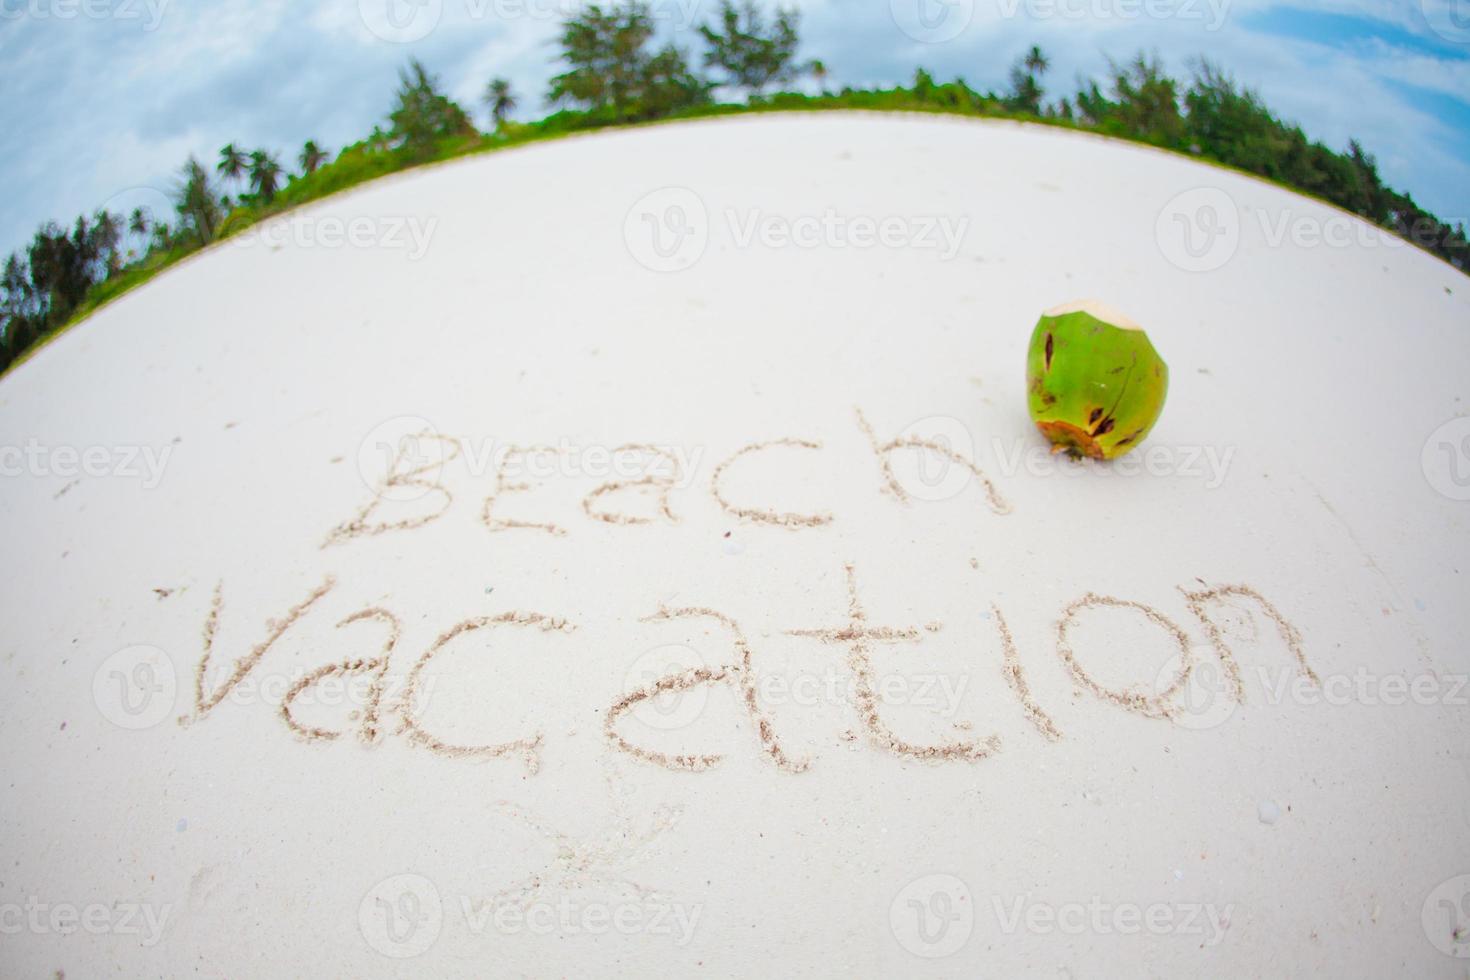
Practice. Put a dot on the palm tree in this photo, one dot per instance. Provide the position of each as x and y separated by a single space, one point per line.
232 162
199 209
500 99
107 234
15 283
1026 91
265 175
312 156
818 68
139 223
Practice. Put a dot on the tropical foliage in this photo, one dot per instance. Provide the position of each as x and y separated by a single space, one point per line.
501 101
312 157
424 115
614 73
751 55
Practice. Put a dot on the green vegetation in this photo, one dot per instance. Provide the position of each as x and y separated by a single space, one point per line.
751 56
424 116
612 76
500 100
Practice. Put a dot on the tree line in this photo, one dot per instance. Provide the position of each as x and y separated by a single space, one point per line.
613 71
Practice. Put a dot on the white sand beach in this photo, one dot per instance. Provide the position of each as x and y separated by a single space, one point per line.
891 735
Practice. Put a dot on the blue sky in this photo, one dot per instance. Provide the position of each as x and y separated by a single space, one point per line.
104 99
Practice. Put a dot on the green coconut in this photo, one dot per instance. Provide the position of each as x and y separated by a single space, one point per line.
1095 385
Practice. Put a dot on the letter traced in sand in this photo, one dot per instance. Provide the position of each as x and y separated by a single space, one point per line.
765 515
503 487
376 667
659 483
891 483
404 472
1016 678
243 666
740 675
528 748
1289 633
1150 706
856 635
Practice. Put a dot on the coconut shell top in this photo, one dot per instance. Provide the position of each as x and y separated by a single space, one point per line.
1095 385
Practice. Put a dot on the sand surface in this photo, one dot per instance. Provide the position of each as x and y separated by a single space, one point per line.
789 687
